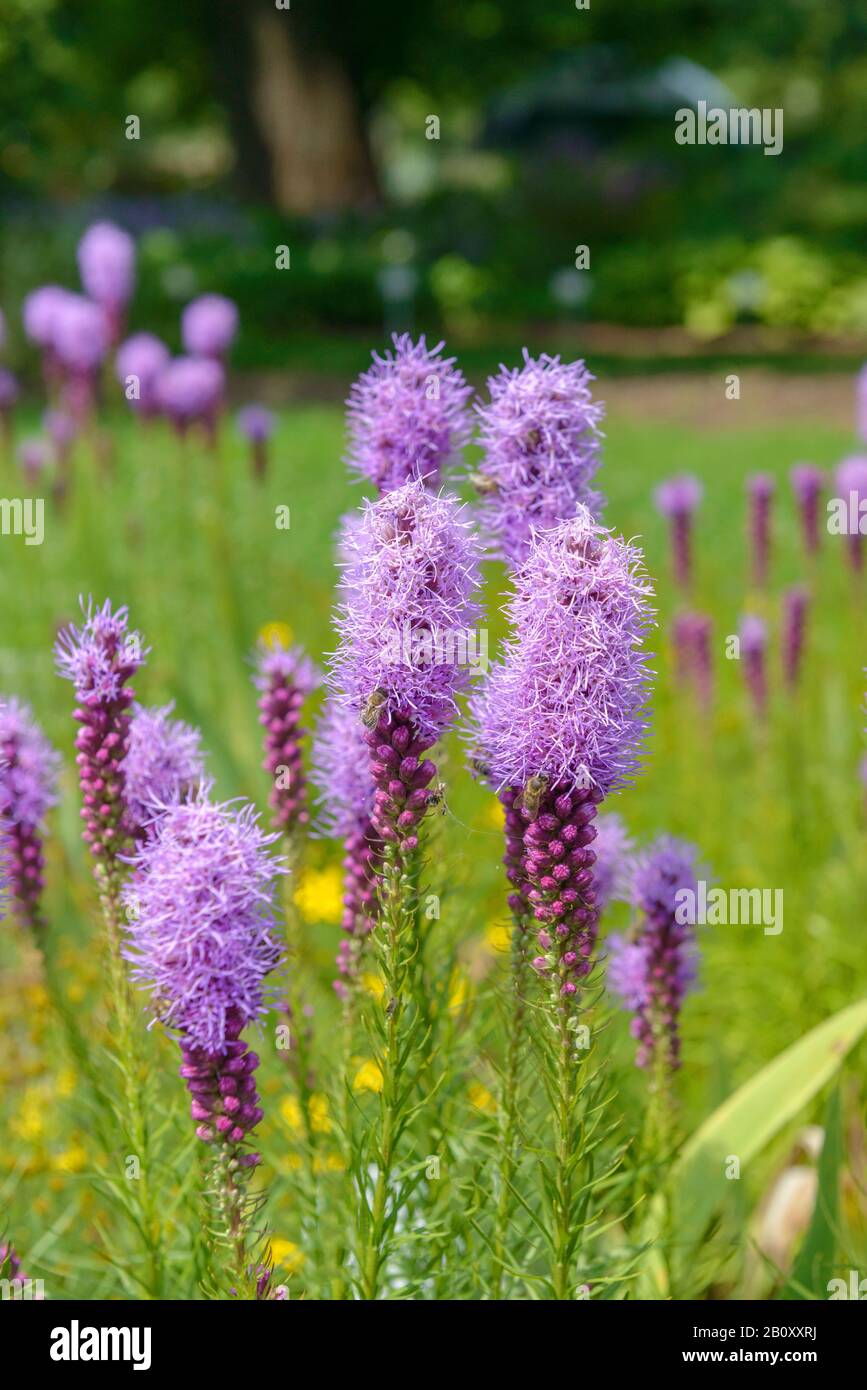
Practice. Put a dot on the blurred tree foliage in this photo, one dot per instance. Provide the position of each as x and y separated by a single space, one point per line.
319 112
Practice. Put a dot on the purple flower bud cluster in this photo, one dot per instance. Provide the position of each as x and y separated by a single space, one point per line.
100 658
761 492
190 392
807 483
692 646
163 764
409 585
341 771
138 364
796 605
754 647
541 440
407 416
678 499
225 1102
257 424
28 787
401 778
652 971
106 264
209 325
850 479
285 677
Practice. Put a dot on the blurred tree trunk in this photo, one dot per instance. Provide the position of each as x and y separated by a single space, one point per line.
302 141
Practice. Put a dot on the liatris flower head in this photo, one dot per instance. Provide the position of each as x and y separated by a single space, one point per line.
285 677
40 312
209 325
164 764
653 969
807 483
80 336
106 263
761 491
692 643
9 391
256 424
796 604
408 603
35 456
138 364
567 702
612 871
201 908
190 391
62 429
407 416
541 440
99 658
342 774
678 499
753 647
850 479
28 787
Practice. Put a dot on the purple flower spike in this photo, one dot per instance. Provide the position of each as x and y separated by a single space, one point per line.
164 764
137 366
850 480
106 263
62 430
80 341
190 391
209 325
257 424
99 658
28 787
200 904
341 772
284 677
761 492
693 661
540 434
35 456
677 499
796 605
754 643
407 416
40 312
9 393
653 970
559 724
807 484
408 605
612 872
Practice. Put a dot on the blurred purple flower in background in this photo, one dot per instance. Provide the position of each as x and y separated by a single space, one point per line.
761 490
137 366
34 454
796 604
209 325
754 644
256 424
850 480
106 264
190 391
677 499
28 787
807 483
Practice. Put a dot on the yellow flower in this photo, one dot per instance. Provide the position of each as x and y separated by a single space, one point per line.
328 1163
495 815
75 991
66 1081
72 1160
319 895
498 937
29 1123
275 634
319 1121
287 1255
291 1112
481 1098
458 992
368 1077
374 984
36 996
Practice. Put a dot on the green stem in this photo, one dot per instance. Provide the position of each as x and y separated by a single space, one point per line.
565 1099
509 1103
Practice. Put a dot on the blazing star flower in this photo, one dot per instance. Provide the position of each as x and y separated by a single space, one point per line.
407 416
138 364
807 483
341 772
612 870
201 938
796 605
9 392
560 722
28 787
40 311
106 264
99 658
80 337
678 499
163 764
190 391
653 970
541 441
209 325
285 677
257 424
754 644
850 480
692 644
761 491
408 604
34 455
